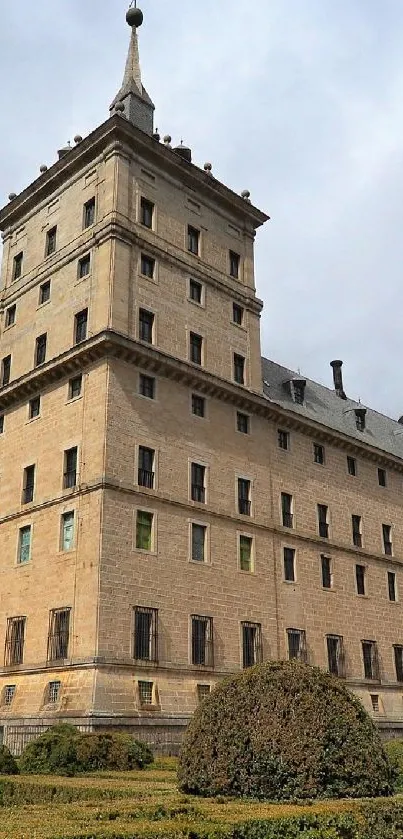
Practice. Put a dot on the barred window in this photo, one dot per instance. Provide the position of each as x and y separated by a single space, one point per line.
335 654
237 314
202 641
242 422
70 468
8 694
387 539
370 660
195 292
53 692
234 263
297 644
15 636
59 633
147 386
147 267
84 266
146 692
392 586
146 474
145 646
360 578
352 466
193 240
10 315
252 650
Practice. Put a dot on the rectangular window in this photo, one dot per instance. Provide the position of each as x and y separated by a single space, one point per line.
297 644
360 578
323 525
84 266
53 693
357 532
24 545
234 263
193 240
10 315
145 646
244 497
318 454
195 292
67 540
198 405
326 568
198 483
34 407
352 466
146 473
147 386
40 349
5 370
239 369
246 553
70 468
89 213
382 477
147 266
146 213
375 703
283 438
17 266
202 641
28 485
1 423
144 530
8 695
14 647
335 655
242 422
203 691
146 326
80 326
51 241
59 633
289 564
44 292
370 660
75 386
286 509
392 586
237 314
252 651
146 692
199 534
387 539
398 653
195 348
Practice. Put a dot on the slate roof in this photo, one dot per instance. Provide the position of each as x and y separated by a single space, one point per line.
321 404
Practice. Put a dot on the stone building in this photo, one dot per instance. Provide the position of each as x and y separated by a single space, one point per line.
173 507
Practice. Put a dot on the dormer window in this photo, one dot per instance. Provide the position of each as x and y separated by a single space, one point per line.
297 390
360 416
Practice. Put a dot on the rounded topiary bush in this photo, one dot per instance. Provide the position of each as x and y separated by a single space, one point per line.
281 731
8 765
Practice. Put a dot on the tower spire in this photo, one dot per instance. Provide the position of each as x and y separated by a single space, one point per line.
138 107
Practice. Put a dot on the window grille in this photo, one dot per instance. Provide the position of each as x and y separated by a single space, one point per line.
145 644
202 641
198 542
70 468
9 693
14 647
198 489
335 654
286 509
351 466
59 633
146 472
370 659
146 693
323 513
10 315
244 502
53 692
40 350
297 644
237 314
375 703
252 651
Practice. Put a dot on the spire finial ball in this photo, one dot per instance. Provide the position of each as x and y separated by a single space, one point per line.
134 17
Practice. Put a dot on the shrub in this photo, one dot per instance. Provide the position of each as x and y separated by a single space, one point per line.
394 750
284 731
8 765
53 752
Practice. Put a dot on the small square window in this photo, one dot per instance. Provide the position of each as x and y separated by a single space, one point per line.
289 565
198 405
10 315
1 423
146 326
147 266
144 530
84 266
34 407
318 454
89 213
234 262
80 326
51 241
283 438
199 537
146 693
17 266
196 348
44 292
242 422
9 693
352 466
193 240
237 314
239 369
146 213
382 477
147 386
195 292
75 386
246 553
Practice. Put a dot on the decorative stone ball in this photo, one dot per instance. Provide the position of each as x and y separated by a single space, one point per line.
43 169
208 167
78 139
134 17
167 139
245 194
12 196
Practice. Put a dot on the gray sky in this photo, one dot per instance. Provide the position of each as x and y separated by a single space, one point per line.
299 101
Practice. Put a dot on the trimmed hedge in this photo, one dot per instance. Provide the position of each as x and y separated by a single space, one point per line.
284 731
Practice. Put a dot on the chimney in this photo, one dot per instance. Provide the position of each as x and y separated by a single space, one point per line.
338 378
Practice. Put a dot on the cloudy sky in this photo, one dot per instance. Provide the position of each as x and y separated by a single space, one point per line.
300 101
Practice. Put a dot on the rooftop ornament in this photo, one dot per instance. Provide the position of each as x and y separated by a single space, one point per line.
134 15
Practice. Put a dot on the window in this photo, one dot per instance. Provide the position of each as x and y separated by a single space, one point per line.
392 586
75 386
145 647
1 423
252 652
289 564
234 262
8 695
357 533
335 654
242 422
34 409
53 693
17 266
199 534
195 292
24 545
59 633
29 485
246 553
146 693
144 530
352 466
198 405
286 509
237 314
239 369
375 703
67 535
244 500
147 266
89 213
5 370
297 644
398 653
10 315
195 348
80 326
202 641
318 454
146 213
193 240
15 635
203 691
382 477
323 525
326 568
198 483
146 472
84 266
283 438
50 246
40 350
360 418
370 660
147 386
387 539
146 326
360 578
70 468
44 292
298 391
